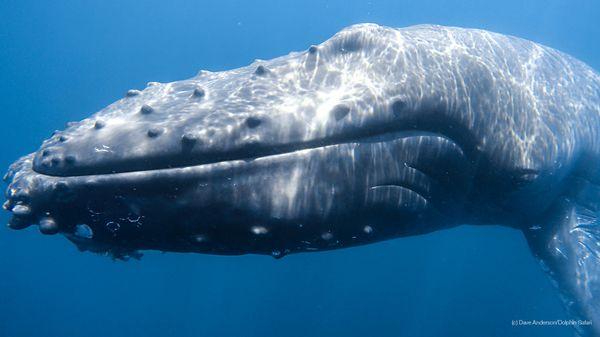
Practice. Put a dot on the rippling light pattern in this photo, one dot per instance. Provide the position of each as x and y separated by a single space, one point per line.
374 134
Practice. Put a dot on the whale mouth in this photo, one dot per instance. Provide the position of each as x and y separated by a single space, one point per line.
33 196
63 157
245 153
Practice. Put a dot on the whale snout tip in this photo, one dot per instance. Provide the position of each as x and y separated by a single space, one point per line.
27 198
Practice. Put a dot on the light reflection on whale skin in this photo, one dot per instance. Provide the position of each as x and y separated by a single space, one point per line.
374 134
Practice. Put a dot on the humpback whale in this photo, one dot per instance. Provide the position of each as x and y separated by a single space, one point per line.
377 133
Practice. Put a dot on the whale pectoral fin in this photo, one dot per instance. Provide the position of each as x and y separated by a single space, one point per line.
567 244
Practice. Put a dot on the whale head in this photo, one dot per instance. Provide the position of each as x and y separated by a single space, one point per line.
315 150
356 140
374 134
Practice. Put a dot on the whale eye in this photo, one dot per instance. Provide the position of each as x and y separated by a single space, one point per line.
525 176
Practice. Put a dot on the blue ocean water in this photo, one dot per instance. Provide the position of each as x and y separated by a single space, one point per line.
63 60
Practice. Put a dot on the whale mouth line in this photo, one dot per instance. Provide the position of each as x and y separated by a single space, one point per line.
246 153
30 192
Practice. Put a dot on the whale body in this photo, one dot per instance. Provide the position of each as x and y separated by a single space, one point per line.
376 133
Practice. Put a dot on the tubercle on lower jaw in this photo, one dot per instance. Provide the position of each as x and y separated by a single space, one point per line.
27 197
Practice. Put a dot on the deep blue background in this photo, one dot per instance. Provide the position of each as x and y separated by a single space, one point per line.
63 60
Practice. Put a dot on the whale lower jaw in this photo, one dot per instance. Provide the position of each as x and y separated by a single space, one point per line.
61 204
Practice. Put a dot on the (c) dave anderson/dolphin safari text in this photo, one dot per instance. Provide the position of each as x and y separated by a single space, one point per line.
556 322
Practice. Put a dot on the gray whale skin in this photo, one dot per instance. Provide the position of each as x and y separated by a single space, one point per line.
375 134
